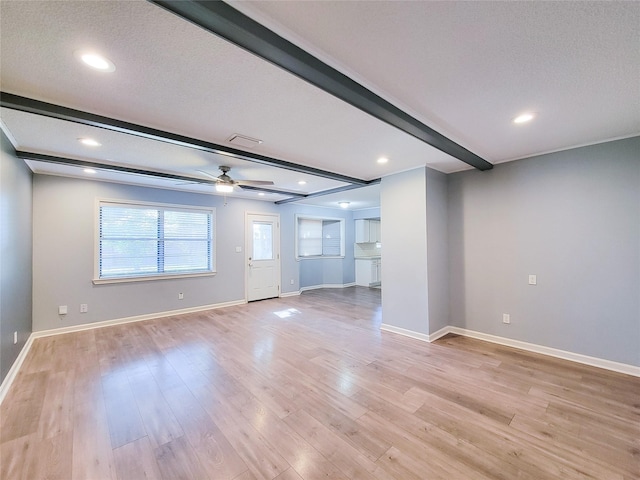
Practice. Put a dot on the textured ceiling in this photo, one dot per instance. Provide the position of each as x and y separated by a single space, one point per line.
463 68
468 68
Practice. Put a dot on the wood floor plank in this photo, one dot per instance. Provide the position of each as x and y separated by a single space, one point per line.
125 423
136 461
403 429
92 451
177 460
262 458
349 460
21 410
212 448
16 455
627 460
56 416
308 387
31 457
159 421
289 474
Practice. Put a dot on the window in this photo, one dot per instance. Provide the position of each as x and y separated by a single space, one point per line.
319 237
142 241
262 240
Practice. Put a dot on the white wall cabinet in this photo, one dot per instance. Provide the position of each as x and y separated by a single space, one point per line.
367 231
374 231
362 231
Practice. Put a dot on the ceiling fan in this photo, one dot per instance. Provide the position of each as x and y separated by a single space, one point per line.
226 183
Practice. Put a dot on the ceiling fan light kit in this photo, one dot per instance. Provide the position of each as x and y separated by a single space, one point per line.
226 183
224 188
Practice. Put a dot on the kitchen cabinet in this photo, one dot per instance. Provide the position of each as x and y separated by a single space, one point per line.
374 231
368 271
367 231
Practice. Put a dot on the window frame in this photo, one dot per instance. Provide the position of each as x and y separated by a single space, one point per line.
342 221
97 280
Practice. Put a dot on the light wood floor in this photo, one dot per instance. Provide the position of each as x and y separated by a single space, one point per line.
308 387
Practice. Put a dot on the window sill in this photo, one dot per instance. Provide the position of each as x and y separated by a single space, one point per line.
104 281
318 257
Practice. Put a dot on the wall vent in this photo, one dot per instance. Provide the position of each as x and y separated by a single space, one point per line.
244 141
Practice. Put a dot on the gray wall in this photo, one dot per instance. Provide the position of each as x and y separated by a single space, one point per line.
64 248
437 250
573 219
403 210
366 213
415 241
15 254
313 272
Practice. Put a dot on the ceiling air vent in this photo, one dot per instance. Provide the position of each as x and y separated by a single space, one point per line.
243 141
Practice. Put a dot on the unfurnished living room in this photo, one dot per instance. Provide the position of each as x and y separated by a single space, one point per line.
319 239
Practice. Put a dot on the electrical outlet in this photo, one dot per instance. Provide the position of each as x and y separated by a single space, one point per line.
506 318
292 282
181 296
84 308
15 337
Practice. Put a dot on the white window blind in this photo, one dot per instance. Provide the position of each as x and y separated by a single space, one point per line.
154 240
309 237
331 238
319 237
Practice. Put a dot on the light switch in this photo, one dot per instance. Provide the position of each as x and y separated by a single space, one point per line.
62 310
238 249
533 280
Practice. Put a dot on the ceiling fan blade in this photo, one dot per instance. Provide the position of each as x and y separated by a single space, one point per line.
210 175
253 182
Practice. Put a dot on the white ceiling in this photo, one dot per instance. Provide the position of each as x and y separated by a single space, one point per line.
463 68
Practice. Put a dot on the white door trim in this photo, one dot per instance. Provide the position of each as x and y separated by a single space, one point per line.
248 244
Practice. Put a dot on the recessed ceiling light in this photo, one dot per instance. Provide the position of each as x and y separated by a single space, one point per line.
95 61
89 142
383 160
261 194
224 188
302 182
524 118
89 170
344 204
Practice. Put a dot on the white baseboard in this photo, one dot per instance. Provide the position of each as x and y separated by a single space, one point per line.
530 347
403 331
417 335
8 380
440 333
328 285
290 294
136 318
13 371
553 352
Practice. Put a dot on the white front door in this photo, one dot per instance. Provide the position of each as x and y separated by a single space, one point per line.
263 256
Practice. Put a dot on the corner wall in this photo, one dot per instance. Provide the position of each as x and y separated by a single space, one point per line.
15 254
65 214
573 219
316 272
64 219
437 250
403 208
